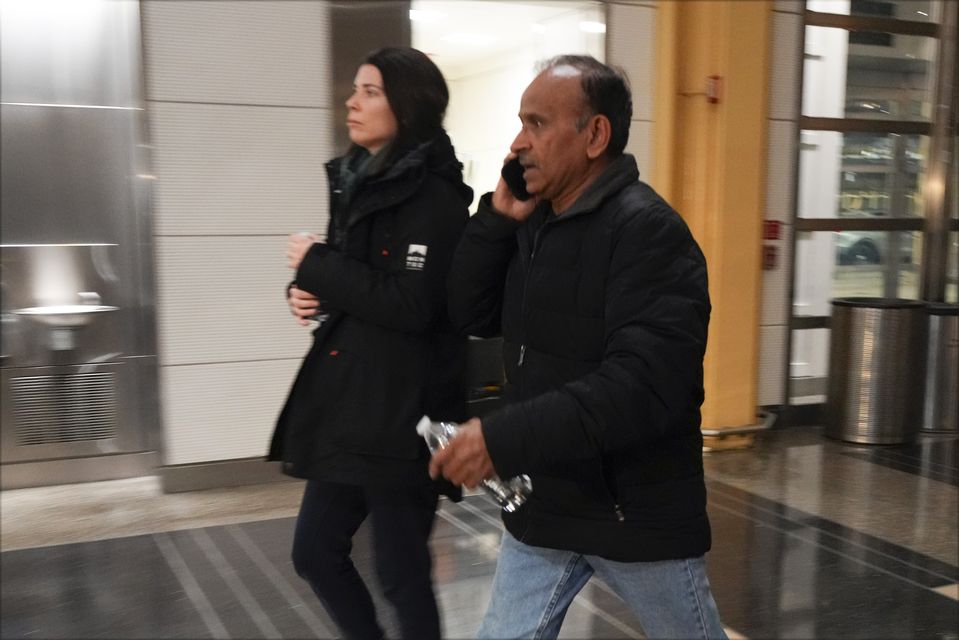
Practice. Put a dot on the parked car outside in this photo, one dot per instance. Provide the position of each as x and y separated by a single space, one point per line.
871 247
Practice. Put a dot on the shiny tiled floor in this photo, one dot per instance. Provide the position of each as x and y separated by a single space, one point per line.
812 539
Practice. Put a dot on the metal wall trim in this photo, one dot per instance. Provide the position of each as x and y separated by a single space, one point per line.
938 186
224 473
18 475
808 322
794 217
872 24
860 224
863 125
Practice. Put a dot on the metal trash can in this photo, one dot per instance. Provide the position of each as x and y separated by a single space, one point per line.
877 356
942 369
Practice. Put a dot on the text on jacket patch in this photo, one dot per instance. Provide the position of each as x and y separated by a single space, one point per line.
416 257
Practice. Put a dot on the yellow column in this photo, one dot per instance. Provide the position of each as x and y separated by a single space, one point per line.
711 165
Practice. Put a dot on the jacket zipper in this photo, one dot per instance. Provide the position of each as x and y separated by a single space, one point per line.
617 508
610 482
338 241
529 271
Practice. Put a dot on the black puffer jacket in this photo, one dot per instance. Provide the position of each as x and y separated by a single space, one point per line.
603 312
388 354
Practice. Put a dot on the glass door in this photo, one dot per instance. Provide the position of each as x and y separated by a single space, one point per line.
866 155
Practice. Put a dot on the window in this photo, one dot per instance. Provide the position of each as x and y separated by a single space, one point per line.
866 123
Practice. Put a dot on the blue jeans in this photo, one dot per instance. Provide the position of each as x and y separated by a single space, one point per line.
533 587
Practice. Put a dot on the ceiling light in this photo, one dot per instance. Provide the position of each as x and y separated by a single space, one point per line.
592 27
421 15
470 39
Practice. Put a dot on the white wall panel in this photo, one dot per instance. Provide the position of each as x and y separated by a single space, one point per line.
640 145
222 300
785 66
222 411
772 357
780 170
239 169
785 70
775 282
630 43
789 6
240 115
264 52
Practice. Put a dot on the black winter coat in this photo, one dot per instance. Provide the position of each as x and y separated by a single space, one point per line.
388 354
603 312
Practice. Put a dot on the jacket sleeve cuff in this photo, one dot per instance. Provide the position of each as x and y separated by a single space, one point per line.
500 443
494 223
309 273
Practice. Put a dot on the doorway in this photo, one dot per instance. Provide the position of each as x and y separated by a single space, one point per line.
488 52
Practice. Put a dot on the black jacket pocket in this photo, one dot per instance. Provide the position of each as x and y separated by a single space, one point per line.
367 408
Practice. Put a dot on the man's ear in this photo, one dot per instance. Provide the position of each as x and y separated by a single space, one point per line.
600 131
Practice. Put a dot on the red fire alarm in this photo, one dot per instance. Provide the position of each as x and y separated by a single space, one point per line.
714 89
771 229
770 257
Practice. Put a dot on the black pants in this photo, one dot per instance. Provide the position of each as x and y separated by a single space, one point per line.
401 519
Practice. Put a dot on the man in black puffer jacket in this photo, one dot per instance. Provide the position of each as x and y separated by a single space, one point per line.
600 293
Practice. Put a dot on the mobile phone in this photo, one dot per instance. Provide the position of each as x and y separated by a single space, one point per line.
513 176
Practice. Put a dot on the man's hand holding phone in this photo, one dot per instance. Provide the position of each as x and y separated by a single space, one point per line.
510 197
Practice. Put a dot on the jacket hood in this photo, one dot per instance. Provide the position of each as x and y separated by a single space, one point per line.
439 158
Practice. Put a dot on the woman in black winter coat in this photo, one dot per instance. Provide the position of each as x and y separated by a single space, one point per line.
384 353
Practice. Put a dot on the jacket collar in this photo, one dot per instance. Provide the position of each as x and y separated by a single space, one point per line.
620 173
376 192
404 177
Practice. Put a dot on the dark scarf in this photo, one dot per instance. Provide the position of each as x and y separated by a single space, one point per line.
356 168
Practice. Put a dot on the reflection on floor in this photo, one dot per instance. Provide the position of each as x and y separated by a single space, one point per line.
812 539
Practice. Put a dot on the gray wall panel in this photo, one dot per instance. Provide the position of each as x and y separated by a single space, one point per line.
772 363
221 299
223 411
775 282
781 170
786 66
241 126
238 52
232 169
630 43
640 144
789 6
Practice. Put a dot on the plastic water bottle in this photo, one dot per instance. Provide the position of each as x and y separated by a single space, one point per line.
509 494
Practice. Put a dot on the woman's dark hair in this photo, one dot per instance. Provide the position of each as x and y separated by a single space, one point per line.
417 94
607 93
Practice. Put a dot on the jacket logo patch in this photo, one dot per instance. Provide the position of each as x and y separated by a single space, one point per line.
416 257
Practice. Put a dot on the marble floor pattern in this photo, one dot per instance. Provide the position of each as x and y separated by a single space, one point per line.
812 538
